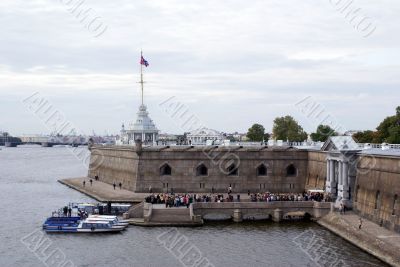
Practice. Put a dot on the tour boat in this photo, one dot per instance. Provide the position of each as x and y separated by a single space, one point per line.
76 225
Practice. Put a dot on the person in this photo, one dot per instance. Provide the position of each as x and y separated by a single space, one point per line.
341 208
212 189
229 189
120 185
96 178
150 189
69 212
360 224
248 192
65 210
91 182
114 185
84 183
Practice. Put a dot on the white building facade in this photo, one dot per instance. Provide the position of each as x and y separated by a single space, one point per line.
202 135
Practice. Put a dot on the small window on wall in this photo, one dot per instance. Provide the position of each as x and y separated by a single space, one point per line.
377 199
201 170
165 170
261 170
291 170
232 170
395 199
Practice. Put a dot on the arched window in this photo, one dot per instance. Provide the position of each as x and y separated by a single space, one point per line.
377 199
232 170
261 170
394 205
165 170
291 170
201 170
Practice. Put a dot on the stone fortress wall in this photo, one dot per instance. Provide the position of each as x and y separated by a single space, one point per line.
374 191
193 169
115 164
377 189
316 170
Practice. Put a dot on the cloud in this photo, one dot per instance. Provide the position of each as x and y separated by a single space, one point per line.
232 62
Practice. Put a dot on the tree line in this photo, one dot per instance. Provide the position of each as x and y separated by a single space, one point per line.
288 129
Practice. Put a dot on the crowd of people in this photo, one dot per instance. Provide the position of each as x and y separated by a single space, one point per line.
269 197
178 200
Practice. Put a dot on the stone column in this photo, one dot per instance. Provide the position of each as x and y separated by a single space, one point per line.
332 178
327 170
237 215
345 174
332 170
340 173
278 215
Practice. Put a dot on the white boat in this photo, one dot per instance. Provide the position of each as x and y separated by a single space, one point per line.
99 226
108 217
112 221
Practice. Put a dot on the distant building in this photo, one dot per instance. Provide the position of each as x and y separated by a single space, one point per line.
351 132
200 136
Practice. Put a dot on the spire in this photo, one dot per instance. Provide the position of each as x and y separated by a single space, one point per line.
141 73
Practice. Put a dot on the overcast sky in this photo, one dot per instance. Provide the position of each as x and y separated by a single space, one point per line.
231 63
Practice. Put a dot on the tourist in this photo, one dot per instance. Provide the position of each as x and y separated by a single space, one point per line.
229 189
120 185
114 185
96 178
341 208
360 224
91 182
65 210
69 212
84 183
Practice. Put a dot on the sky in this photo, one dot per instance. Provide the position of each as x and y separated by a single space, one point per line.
229 63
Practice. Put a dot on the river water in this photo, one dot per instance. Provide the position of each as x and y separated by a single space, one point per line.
30 191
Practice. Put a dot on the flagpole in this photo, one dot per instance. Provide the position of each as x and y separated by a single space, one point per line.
141 73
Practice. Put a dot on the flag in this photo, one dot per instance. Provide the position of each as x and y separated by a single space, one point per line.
144 62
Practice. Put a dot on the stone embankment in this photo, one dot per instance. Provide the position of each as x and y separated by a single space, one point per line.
372 238
103 192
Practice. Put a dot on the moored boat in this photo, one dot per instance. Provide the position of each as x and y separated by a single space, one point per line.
76 225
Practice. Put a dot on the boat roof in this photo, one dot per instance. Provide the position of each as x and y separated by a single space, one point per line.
101 216
103 222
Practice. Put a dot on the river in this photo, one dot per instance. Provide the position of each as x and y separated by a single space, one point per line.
30 192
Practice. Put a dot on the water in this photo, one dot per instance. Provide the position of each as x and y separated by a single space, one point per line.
30 191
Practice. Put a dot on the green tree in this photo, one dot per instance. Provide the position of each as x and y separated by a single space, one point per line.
365 136
322 133
286 128
256 132
389 129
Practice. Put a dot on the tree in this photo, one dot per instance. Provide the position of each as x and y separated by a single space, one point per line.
286 128
322 133
389 129
256 132
365 136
